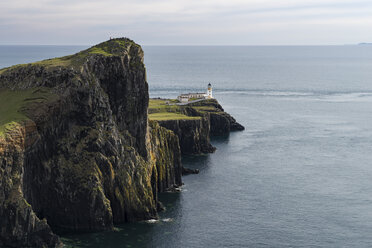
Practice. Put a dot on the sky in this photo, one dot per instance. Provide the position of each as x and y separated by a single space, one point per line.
186 22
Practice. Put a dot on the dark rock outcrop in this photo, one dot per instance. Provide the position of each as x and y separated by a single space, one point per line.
87 157
20 226
187 171
221 123
208 119
193 135
167 154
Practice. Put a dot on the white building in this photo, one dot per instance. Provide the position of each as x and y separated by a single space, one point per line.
209 91
189 96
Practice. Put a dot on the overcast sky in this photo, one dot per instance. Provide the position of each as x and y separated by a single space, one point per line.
186 22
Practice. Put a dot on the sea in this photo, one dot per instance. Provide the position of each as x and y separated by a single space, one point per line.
300 175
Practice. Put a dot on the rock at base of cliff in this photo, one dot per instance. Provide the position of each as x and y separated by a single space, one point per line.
187 171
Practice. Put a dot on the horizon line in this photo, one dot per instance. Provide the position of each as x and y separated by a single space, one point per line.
199 45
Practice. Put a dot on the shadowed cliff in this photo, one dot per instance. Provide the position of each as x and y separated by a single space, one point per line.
193 123
76 151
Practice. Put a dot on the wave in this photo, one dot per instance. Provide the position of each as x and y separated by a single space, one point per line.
348 97
152 221
167 220
266 93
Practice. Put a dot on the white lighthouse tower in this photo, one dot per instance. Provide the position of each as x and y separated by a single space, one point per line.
209 92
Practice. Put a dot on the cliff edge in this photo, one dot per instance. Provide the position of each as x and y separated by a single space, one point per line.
77 151
193 123
82 148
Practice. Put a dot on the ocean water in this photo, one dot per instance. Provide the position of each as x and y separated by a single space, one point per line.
300 175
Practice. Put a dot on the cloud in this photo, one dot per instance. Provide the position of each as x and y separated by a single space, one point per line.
185 21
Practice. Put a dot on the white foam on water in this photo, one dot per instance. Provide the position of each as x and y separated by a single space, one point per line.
167 220
152 221
348 97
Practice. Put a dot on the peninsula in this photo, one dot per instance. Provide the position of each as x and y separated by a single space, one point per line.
82 147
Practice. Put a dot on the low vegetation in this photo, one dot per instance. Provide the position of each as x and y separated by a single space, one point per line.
171 116
166 109
163 105
108 48
205 108
13 103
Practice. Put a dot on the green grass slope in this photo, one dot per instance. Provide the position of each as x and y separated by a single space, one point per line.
12 104
111 47
159 110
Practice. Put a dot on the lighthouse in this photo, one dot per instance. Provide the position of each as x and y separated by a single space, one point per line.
209 91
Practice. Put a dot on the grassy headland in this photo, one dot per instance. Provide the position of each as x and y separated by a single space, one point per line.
164 116
13 103
112 47
166 109
159 110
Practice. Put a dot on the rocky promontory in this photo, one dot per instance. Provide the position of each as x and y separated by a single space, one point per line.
193 123
79 150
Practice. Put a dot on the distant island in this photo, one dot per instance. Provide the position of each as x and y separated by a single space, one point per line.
365 44
82 147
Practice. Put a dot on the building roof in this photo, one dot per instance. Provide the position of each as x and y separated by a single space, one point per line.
188 94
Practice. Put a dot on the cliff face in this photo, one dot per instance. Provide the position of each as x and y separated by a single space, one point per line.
166 153
16 214
77 151
193 134
194 123
221 123
87 157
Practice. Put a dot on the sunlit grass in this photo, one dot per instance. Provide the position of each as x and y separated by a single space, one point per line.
12 104
109 48
171 116
160 105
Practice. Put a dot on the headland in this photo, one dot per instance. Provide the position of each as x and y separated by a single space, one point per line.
82 147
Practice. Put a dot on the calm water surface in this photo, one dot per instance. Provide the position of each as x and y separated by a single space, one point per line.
301 173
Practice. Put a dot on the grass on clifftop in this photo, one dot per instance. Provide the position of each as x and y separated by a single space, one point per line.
108 48
160 111
159 105
171 116
206 108
12 103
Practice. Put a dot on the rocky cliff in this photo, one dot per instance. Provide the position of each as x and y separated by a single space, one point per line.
221 123
193 134
20 226
78 153
77 149
193 123
166 153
